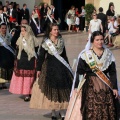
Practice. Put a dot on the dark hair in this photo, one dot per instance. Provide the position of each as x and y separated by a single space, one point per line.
1 8
94 34
110 4
100 9
49 29
2 24
0 3
24 5
11 4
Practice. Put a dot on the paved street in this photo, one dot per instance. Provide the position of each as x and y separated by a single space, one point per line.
12 107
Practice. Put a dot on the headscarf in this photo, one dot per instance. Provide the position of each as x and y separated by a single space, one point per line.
87 47
30 40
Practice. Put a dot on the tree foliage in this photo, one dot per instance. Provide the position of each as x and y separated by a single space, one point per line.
89 8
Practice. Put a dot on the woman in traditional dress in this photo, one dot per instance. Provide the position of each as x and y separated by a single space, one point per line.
52 89
25 65
99 92
6 56
35 22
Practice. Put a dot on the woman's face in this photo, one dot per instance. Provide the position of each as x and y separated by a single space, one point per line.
5 9
3 29
94 16
23 31
55 31
73 8
98 41
112 7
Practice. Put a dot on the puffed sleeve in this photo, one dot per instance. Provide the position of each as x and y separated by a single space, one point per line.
41 58
81 70
113 75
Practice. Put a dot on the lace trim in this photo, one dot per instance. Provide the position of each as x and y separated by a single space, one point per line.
53 94
97 105
59 47
104 62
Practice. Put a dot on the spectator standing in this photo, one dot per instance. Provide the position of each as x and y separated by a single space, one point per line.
103 18
82 19
25 13
77 22
13 17
54 14
71 18
35 25
18 13
110 12
1 4
7 4
44 17
95 25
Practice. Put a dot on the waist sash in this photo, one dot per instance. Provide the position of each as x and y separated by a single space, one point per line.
3 43
55 53
93 65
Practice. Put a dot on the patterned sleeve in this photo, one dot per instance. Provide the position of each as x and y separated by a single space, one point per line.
81 70
113 75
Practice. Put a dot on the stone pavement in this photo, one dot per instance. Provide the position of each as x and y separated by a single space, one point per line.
12 107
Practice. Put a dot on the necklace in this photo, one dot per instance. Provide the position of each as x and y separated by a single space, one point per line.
55 41
98 52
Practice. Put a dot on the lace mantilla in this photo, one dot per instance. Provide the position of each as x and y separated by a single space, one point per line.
59 46
105 60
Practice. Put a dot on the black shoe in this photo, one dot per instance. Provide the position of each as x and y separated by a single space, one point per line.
4 86
54 118
27 99
62 118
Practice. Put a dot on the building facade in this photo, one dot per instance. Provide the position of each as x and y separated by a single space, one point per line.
97 3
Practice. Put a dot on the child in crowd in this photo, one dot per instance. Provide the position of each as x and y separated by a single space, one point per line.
77 22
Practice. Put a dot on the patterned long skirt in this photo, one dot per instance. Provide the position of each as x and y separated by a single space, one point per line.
46 97
97 101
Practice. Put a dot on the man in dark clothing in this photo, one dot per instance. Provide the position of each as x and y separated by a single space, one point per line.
13 17
103 18
44 17
54 14
82 19
25 13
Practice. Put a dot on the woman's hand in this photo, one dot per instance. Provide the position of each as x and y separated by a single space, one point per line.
115 92
38 74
